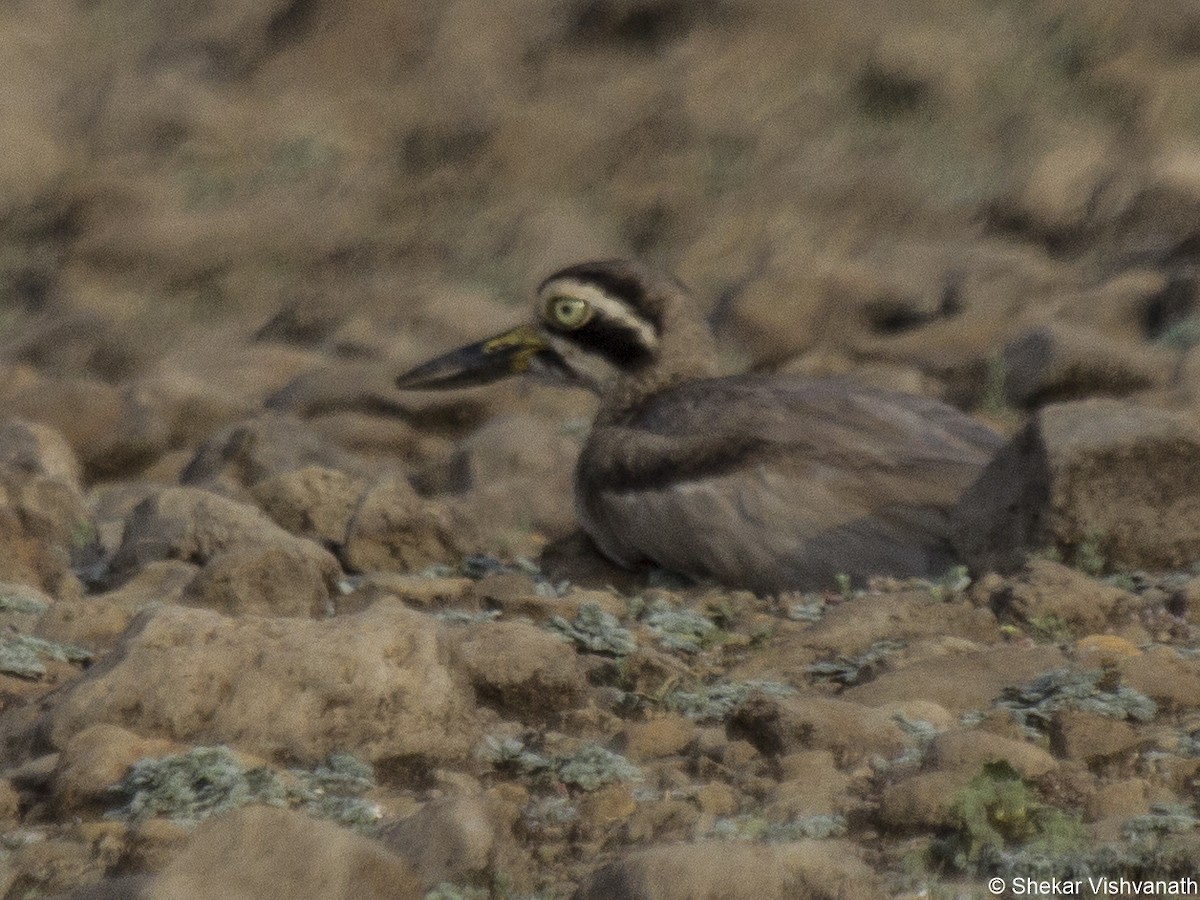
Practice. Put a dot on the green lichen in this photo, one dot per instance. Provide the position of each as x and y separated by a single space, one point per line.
680 629
509 756
811 608
24 655
1098 691
591 767
14 600
851 670
758 829
1050 629
190 787
997 813
715 702
596 630
466 617
1089 555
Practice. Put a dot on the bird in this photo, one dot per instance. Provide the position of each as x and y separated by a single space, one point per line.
768 482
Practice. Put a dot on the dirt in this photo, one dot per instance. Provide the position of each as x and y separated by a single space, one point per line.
271 628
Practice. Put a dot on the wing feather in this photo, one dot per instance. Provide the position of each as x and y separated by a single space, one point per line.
778 484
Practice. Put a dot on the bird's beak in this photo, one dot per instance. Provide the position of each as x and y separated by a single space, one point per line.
490 360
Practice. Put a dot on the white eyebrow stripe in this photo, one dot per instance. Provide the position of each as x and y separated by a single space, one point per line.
611 308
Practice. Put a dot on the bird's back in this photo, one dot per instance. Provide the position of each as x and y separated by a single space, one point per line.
780 483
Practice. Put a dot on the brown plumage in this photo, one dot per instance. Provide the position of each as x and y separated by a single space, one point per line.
765 482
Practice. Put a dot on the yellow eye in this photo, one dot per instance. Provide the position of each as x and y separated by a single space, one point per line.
569 312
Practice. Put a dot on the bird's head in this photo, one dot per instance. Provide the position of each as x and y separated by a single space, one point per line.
598 324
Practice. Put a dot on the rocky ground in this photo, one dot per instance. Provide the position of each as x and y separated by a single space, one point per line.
270 628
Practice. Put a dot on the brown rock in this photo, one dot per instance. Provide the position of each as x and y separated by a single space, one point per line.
922 801
452 840
971 750
656 820
97 758
194 525
10 804
418 591
280 688
1048 589
666 735
805 870
1122 477
1167 679
851 628
394 530
717 799
99 621
258 852
521 669
48 867
37 449
268 446
1090 737
312 502
1119 800
968 680
1063 361
850 731
110 434
811 785
263 581
610 805
517 470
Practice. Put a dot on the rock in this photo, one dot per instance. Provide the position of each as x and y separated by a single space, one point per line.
421 592
288 689
48 867
1171 682
312 502
97 758
811 785
1063 361
195 525
971 750
850 731
1090 737
110 435
520 669
717 799
518 470
960 682
1122 479
804 870
574 558
607 807
10 805
258 852
452 840
922 801
657 737
263 581
394 530
1048 589
37 449
268 446
851 628
1120 800
99 620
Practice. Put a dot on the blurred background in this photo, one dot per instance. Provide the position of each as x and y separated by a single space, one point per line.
209 206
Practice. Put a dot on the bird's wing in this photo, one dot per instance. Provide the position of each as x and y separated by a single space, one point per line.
780 484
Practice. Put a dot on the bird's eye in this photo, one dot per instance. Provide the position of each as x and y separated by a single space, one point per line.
569 312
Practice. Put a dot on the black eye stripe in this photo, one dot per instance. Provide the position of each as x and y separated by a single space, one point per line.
618 343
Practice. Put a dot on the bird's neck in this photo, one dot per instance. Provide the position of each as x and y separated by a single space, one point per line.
689 356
